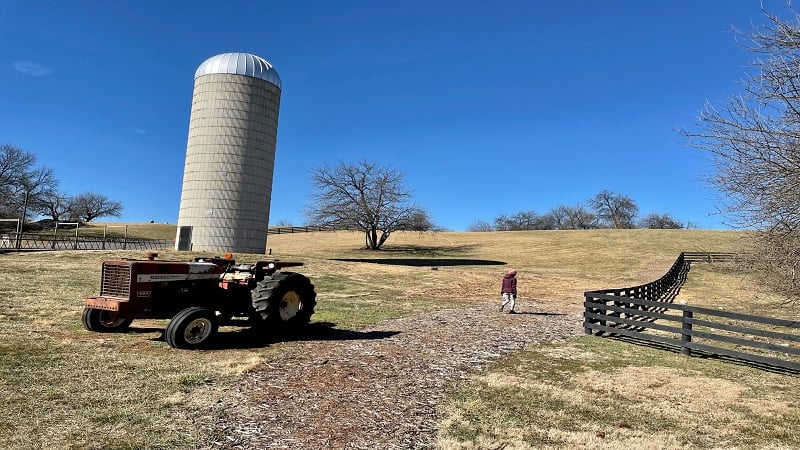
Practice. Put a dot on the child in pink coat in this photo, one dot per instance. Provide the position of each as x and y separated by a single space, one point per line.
509 290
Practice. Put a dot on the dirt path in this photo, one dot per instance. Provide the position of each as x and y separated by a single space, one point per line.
378 388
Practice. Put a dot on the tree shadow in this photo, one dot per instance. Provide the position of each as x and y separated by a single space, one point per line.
424 262
426 250
422 256
258 337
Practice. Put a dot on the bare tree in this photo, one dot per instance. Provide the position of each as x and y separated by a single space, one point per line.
615 210
754 145
14 163
480 225
56 206
558 217
515 222
577 218
22 185
366 197
544 222
523 220
421 221
660 222
89 206
503 223
38 184
773 260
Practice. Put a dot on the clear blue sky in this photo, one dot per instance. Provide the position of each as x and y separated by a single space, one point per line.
488 107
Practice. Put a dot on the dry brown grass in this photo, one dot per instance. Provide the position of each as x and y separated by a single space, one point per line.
118 229
598 393
68 388
594 393
557 265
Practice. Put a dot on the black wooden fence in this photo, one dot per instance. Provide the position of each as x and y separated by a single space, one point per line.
290 230
30 241
633 312
708 256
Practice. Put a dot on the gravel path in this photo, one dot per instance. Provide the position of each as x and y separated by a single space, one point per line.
378 388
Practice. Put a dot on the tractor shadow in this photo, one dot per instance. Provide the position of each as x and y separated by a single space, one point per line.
248 338
145 330
538 313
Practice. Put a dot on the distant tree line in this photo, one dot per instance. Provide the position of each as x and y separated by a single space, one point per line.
29 191
605 210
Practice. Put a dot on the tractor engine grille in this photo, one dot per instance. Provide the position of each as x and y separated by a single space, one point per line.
116 280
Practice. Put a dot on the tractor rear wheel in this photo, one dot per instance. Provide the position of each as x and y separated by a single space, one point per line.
101 321
191 328
286 299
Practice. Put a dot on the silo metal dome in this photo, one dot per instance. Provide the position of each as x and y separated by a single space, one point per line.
230 155
240 64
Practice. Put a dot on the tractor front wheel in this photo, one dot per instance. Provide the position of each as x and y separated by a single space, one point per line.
101 321
191 328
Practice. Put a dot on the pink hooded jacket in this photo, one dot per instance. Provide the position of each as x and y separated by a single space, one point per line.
509 283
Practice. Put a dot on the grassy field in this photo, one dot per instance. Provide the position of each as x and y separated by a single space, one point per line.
67 388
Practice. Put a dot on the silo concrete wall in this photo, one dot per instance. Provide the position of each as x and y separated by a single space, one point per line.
230 156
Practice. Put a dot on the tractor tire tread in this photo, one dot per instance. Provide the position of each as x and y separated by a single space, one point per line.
92 321
268 293
174 334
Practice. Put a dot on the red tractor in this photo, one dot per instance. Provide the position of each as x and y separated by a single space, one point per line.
199 296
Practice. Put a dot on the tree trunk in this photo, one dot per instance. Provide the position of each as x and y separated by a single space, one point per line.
384 237
372 238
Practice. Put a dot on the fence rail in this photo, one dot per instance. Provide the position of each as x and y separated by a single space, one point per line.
709 256
11 241
30 241
633 312
289 230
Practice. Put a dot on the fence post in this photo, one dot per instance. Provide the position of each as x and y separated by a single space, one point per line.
618 303
588 310
686 327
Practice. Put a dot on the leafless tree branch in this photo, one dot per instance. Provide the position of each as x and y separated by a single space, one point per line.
366 197
753 142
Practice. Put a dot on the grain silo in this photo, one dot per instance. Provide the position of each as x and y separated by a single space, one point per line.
230 155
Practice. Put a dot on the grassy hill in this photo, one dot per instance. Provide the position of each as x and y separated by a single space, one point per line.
118 229
70 388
